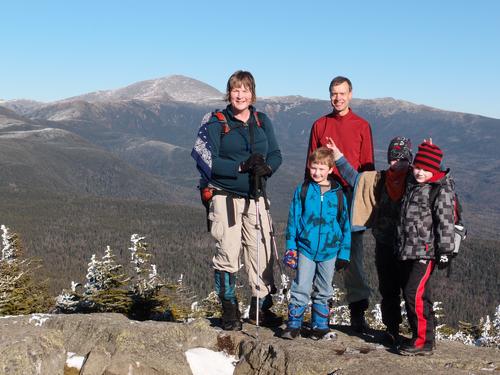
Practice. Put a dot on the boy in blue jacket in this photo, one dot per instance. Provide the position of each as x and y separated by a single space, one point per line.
318 242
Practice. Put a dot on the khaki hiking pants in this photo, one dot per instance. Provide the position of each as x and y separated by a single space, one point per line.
234 229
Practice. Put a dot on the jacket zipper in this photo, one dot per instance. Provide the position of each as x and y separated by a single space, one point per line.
320 222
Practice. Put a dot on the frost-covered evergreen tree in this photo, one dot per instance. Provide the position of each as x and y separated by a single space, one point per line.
19 292
104 274
376 322
146 281
104 290
146 284
11 248
496 325
339 314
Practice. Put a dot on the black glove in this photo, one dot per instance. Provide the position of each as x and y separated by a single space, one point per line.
262 170
443 261
341 264
251 162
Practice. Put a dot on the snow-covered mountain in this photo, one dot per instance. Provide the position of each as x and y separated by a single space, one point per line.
152 125
174 87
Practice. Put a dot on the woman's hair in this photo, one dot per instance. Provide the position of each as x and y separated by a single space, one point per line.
322 155
238 79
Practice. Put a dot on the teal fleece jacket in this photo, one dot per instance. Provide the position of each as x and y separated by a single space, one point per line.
316 233
231 149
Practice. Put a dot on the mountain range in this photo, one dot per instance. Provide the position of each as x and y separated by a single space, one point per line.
145 131
85 172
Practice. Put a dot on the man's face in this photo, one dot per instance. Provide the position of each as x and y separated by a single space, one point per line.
319 172
340 97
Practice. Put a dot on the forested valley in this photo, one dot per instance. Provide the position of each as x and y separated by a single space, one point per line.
64 231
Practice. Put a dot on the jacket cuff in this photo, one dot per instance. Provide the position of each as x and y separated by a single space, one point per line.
344 254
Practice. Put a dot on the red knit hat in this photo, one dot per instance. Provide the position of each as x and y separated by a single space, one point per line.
428 157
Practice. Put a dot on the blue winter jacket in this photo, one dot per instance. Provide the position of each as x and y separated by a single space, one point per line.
316 233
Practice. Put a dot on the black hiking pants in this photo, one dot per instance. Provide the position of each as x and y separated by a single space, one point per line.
390 285
418 300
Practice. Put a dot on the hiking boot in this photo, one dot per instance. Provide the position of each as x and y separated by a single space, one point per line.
412 350
290 333
359 324
391 338
230 320
295 317
318 334
233 325
319 320
266 317
358 321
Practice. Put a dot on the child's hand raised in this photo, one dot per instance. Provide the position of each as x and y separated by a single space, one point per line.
330 143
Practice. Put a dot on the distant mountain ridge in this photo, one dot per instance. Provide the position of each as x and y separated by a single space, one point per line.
79 174
151 125
39 158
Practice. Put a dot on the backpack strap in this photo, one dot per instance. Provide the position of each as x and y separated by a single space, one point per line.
225 126
340 205
257 120
433 193
222 119
457 206
303 194
340 199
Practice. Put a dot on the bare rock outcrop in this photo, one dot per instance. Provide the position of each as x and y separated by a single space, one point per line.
111 344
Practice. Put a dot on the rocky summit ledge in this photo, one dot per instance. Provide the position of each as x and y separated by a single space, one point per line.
110 344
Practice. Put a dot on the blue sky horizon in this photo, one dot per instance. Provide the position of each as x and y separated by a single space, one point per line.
440 54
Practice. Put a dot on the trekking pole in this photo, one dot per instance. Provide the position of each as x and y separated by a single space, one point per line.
257 193
283 277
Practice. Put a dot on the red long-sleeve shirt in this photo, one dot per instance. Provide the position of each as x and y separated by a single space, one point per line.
352 135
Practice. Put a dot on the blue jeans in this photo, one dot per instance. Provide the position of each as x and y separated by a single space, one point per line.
315 277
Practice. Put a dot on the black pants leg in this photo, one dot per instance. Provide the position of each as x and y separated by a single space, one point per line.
389 285
418 300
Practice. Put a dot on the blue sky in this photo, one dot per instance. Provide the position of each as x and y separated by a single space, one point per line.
444 54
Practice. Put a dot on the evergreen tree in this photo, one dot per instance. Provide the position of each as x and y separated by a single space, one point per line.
146 284
19 292
104 290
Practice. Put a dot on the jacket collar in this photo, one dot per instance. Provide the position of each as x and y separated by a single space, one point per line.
229 112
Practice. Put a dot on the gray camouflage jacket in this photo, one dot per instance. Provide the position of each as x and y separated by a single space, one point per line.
424 232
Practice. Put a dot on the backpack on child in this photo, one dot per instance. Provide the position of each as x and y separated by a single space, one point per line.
202 153
460 229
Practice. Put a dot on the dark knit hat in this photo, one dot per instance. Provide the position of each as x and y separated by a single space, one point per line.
399 149
428 157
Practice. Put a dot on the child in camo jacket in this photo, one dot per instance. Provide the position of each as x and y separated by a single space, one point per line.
425 239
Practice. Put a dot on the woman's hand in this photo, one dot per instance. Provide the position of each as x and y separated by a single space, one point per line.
330 143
